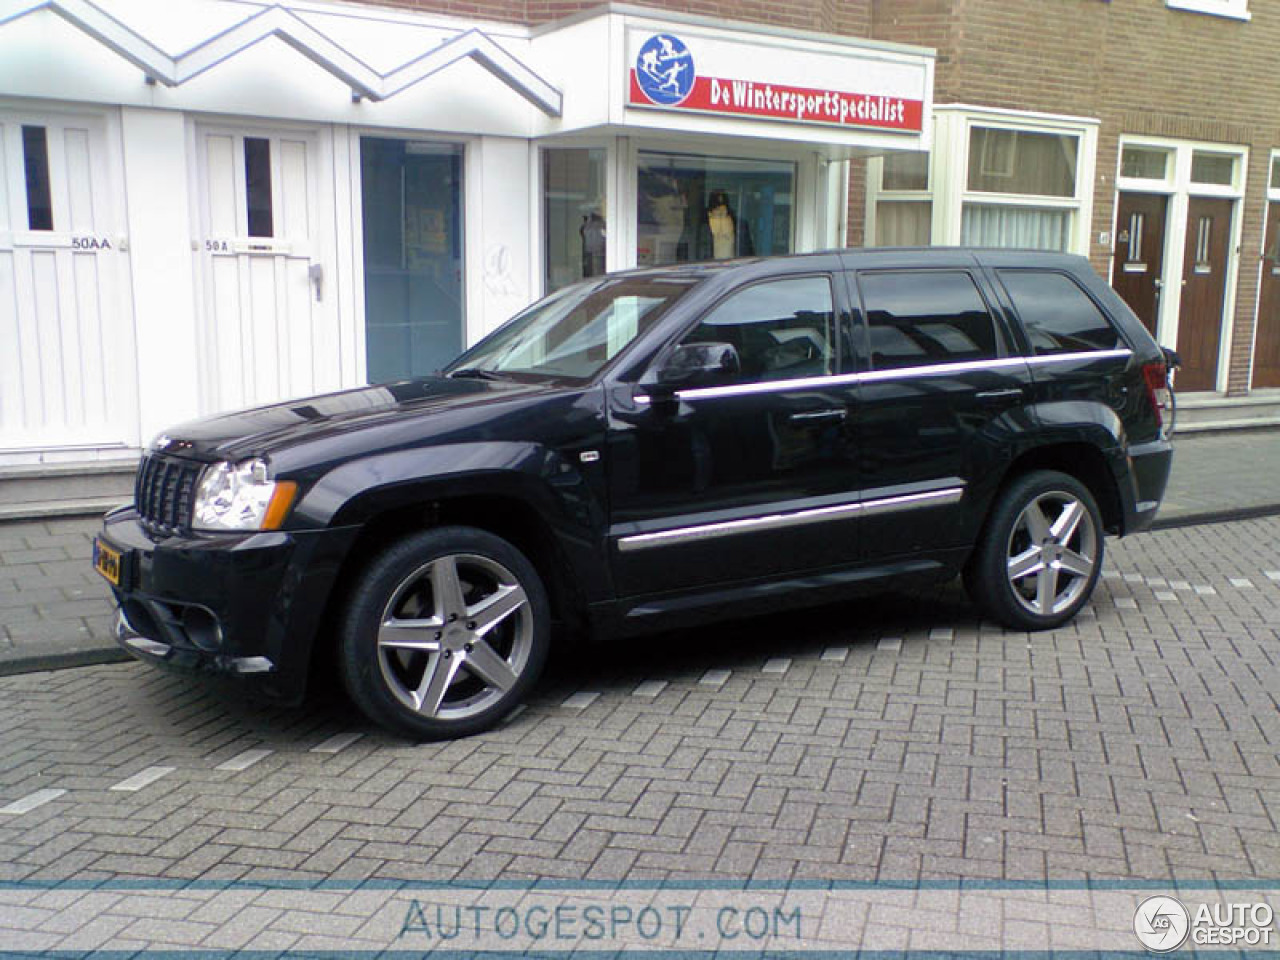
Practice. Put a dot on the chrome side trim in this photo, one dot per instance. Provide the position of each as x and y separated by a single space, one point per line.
799 518
880 376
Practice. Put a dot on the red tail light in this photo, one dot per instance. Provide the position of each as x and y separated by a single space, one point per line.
1156 378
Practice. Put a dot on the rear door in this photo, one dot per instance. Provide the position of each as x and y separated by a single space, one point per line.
941 400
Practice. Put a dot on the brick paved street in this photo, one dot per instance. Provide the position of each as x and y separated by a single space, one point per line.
898 739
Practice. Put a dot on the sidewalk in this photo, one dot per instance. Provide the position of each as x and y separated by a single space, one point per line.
55 611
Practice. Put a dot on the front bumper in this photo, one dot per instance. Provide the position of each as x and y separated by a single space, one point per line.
248 606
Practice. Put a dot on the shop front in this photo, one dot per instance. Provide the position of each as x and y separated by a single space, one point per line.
319 196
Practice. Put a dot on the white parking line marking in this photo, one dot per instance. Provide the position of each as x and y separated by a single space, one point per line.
1205 591
1244 583
143 778
581 700
715 678
889 643
1179 585
1126 603
941 633
339 741
1165 596
1134 578
243 761
32 800
1156 582
836 654
1273 575
777 665
650 688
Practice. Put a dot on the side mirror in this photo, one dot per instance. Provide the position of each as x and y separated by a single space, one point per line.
699 363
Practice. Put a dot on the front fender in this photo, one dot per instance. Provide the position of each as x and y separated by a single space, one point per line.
567 500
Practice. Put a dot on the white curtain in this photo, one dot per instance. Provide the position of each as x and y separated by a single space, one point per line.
903 224
989 225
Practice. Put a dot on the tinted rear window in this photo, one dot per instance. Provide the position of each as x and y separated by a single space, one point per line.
1058 316
917 318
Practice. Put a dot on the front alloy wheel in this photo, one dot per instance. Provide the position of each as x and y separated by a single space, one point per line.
1040 554
445 634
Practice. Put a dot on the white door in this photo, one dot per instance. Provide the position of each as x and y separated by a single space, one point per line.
68 373
268 328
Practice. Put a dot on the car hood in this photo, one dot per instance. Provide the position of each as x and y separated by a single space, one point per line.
263 430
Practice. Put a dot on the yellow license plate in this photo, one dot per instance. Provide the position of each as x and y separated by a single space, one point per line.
107 561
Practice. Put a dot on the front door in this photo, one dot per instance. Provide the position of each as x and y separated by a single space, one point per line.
1204 288
268 329
1138 261
750 479
1266 356
67 368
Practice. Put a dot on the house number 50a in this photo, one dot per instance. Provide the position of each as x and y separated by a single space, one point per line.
217 246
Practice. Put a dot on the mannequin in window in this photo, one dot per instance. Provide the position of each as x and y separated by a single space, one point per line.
721 233
593 235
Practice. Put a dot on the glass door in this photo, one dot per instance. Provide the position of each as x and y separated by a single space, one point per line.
411 194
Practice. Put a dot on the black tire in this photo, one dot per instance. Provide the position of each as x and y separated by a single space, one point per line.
1038 585
435 656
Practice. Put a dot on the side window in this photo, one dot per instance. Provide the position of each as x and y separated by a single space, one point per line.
782 329
922 317
1058 316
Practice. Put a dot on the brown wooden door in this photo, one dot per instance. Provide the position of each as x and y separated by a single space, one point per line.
1266 356
1139 258
1204 288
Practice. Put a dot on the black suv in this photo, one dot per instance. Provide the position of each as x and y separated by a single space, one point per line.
651 449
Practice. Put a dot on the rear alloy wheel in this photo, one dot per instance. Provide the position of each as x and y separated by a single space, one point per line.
445 633
1040 554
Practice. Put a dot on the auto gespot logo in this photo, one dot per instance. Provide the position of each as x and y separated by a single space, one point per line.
664 76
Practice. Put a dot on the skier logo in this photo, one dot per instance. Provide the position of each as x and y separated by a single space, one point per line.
664 69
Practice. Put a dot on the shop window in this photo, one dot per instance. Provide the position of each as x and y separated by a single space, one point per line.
35 159
1213 168
916 318
1057 315
781 330
1144 163
257 179
712 208
903 204
573 213
411 195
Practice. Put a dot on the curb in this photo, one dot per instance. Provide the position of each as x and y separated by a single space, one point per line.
1216 516
42 662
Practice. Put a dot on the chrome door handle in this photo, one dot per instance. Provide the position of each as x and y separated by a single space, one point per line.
815 416
999 394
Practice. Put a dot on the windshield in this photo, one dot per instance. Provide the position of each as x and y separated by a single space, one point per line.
577 330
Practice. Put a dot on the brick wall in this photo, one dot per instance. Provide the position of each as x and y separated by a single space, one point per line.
1138 67
849 17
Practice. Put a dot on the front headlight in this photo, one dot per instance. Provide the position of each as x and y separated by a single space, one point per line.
239 496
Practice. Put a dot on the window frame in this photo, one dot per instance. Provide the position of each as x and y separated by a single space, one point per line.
954 124
1019 322
1005 345
876 194
838 358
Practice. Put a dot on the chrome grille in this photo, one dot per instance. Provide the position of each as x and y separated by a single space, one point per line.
164 491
